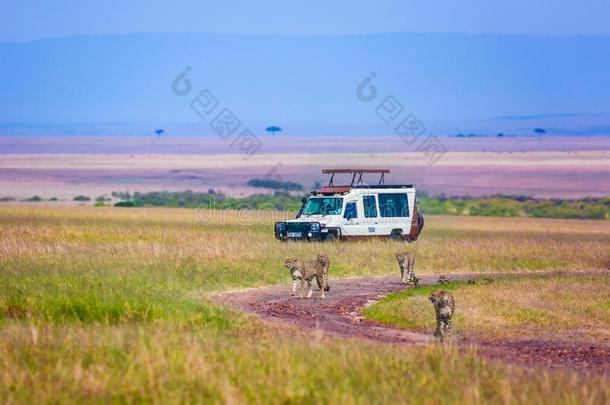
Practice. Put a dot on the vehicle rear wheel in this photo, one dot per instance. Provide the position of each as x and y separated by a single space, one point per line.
396 235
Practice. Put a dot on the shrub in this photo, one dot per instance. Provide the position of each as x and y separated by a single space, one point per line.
515 206
497 205
125 204
275 184
81 198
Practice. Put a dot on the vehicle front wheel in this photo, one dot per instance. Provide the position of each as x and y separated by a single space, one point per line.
330 237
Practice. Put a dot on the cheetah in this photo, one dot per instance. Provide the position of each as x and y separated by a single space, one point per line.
443 280
307 271
406 261
444 305
481 281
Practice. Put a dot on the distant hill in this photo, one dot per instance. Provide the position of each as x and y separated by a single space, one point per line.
305 83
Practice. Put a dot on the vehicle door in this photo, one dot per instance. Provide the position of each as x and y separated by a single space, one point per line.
351 219
370 222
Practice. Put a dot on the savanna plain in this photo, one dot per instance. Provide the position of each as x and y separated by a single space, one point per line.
115 305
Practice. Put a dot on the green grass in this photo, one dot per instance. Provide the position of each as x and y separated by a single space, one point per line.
113 305
388 309
107 301
555 308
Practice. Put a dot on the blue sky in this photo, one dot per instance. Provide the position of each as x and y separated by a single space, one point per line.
26 19
455 65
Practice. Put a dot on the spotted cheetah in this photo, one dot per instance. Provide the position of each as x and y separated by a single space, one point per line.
443 280
444 305
406 262
307 271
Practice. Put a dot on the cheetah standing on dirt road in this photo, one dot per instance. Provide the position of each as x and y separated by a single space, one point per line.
307 271
444 305
406 262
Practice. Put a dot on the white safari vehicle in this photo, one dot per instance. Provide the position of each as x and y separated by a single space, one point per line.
357 210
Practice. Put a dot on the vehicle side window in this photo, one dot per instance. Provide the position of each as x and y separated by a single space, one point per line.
350 211
370 206
393 205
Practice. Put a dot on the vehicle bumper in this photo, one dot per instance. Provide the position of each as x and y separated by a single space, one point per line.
300 231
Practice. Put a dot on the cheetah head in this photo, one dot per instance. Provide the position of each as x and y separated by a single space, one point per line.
400 257
291 264
435 297
323 259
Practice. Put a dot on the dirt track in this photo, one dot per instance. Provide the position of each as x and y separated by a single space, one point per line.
340 315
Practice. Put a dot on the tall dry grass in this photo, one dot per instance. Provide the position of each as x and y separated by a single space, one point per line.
111 305
164 364
150 236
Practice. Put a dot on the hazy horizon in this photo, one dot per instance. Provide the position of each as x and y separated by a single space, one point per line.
308 84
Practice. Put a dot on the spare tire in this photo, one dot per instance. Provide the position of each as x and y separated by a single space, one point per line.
420 221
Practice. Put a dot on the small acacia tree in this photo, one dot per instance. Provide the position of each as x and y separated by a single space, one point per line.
273 130
539 132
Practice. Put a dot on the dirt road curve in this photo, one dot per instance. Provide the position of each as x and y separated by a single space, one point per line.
340 315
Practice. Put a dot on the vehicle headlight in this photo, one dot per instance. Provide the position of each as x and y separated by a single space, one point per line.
315 227
280 226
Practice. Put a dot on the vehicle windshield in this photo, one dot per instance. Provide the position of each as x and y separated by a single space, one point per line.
324 206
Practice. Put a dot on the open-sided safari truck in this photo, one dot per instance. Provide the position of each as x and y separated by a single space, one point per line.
357 210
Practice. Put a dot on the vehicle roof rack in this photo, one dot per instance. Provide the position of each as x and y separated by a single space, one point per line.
387 186
355 172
